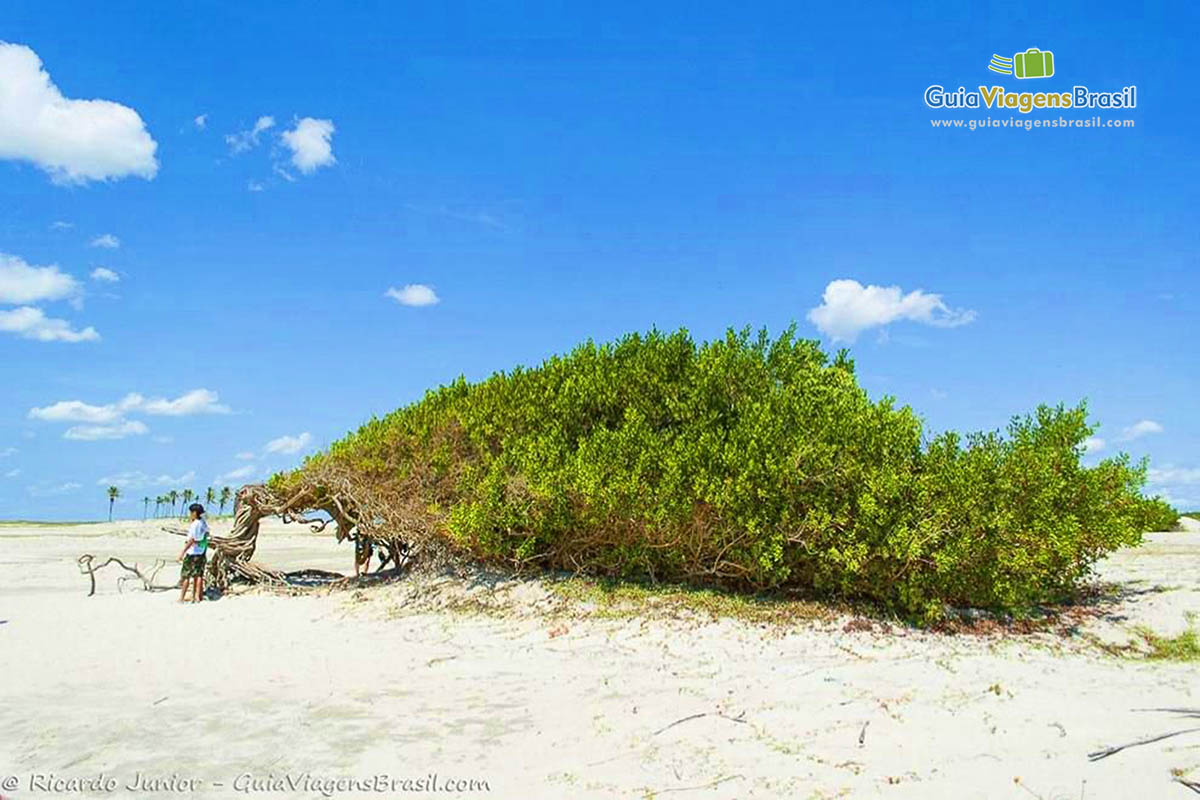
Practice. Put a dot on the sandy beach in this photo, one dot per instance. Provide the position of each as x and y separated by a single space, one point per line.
504 689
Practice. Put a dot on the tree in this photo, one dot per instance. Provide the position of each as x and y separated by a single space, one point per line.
226 493
188 494
173 496
145 508
158 501
209 497
113 494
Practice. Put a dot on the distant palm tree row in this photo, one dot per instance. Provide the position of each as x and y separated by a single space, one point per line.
165 504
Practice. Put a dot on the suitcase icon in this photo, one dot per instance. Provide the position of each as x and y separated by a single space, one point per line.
1033 63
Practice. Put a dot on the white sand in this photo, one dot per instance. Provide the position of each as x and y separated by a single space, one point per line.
368 682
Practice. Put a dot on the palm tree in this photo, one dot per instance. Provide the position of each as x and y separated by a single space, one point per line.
113 494
209 497
225 494
145 508
173 496
188 494
158 501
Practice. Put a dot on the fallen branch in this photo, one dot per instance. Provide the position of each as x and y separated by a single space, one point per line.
87 567
738 718
1195 787
1191 712
709 785
1099 754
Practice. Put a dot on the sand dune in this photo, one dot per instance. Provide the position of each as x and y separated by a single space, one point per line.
234 698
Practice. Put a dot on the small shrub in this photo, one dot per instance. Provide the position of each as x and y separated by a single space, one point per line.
1158 515
744 463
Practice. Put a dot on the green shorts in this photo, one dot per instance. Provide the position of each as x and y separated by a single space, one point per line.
193 567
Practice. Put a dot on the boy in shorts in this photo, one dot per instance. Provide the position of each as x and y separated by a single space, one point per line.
193 556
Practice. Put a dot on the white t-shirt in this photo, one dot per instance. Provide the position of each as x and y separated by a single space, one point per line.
198 531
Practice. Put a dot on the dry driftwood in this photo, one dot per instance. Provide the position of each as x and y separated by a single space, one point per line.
1193 785
87 566
1186 712
739 718
1109 751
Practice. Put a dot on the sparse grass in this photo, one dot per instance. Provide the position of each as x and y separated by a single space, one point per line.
576 598
562 598
610 598
1184 647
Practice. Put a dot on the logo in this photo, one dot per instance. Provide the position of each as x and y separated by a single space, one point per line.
1033 63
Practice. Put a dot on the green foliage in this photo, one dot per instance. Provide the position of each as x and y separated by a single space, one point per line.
746 463
1158 515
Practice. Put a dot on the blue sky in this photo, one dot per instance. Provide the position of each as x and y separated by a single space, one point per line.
553 173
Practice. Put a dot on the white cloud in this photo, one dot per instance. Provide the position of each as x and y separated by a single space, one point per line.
60 225
78 411
201 121
119 430
245 456
110 421
74 141
25 283
107 241
1182 503
50 491
162 439
32 323
1172 474
242 141
848 308
310 144
12 473
1093 444
7 452
197 401
136 479
288 445
414 294
1139 429
234 475
484 218
105 274
254 186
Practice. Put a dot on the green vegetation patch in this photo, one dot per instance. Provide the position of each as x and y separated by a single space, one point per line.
744 464
1184 647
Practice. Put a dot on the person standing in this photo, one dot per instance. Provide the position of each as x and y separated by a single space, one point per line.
362 555
191 575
